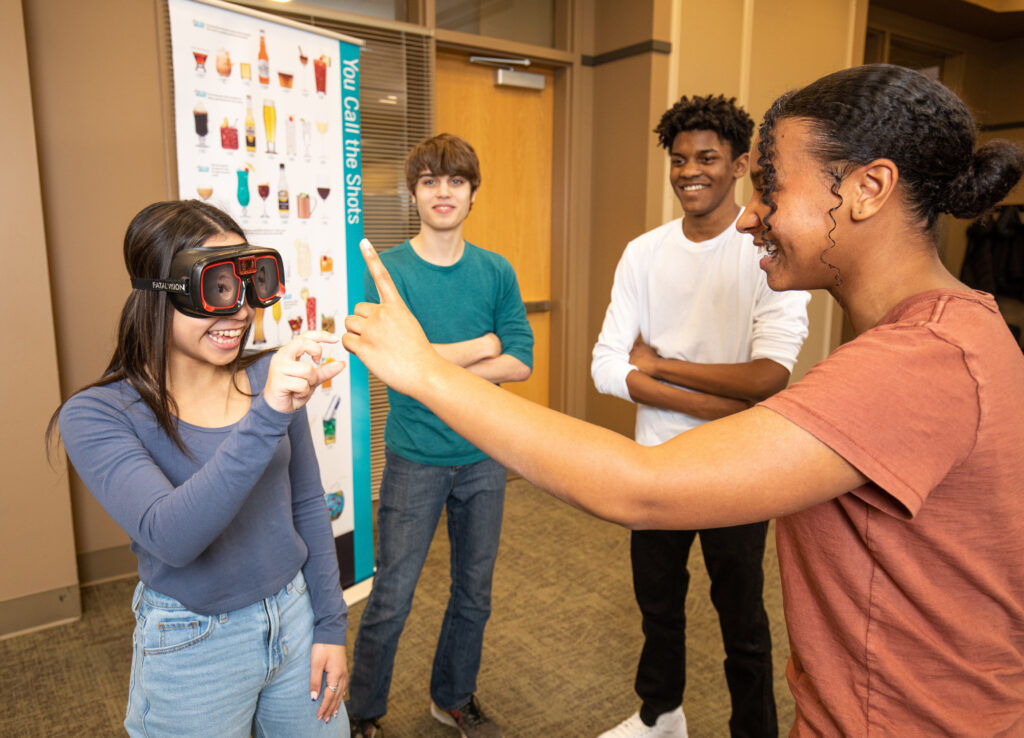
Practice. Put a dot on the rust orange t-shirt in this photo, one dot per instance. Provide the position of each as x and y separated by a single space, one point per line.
904 598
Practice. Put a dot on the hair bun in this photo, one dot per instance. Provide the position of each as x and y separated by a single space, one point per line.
994 170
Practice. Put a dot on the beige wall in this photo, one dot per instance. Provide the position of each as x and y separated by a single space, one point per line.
96 95
38 581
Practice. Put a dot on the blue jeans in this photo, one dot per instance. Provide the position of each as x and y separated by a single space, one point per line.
230 675
412 497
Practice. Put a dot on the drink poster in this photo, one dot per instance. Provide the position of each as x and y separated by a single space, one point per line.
268 129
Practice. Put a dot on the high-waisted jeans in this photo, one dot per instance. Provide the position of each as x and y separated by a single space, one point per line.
240 673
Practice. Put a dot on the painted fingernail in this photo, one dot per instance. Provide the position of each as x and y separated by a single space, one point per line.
312 696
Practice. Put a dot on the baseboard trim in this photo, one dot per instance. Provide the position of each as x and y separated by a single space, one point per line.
107 564
38 611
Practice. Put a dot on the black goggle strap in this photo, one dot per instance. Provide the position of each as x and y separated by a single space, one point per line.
177 286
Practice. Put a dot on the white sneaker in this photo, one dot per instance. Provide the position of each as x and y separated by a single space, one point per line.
669 725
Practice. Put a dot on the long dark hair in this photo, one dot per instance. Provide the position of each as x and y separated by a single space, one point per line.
882 111
153 237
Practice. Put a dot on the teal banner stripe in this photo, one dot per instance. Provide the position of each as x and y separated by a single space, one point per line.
352 164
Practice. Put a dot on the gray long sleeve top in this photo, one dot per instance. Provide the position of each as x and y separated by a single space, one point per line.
226 528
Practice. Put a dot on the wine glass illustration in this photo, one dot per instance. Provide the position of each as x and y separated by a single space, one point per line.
264 191
323 188
243 189
321 127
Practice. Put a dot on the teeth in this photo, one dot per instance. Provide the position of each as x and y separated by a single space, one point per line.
693 188
234 333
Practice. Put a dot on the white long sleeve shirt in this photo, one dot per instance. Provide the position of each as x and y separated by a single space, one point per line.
706 302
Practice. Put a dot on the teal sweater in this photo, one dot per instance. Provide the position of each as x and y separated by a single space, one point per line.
478 294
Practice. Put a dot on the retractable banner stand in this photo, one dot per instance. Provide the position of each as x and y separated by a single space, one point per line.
268 129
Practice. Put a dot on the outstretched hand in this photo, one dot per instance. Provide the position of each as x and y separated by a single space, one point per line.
291 381
387 336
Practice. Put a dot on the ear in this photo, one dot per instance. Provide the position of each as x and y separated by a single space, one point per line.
872 186
472 195
740 165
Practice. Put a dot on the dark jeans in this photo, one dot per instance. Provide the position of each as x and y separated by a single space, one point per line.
733 557
412 497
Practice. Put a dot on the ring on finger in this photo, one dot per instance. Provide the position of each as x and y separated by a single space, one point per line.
334 688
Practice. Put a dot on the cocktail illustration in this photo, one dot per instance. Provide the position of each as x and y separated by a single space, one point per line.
202 120
320 65
327 323
270 124
243 188
304 61
245 71
307 134
204 190
330 420
263 188
296 325
303 258
200 57
285 79
321 127
224 64
289 135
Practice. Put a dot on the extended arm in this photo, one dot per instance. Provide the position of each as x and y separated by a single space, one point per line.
751 466
752 381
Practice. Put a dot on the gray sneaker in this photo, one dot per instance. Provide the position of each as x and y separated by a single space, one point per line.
470 720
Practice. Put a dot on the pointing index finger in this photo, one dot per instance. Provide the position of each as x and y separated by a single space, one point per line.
385 286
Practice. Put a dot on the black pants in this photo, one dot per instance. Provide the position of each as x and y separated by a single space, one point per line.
733 557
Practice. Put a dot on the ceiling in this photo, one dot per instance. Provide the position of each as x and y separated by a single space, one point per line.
962 16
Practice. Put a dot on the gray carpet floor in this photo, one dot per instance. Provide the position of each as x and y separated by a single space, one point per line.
559 654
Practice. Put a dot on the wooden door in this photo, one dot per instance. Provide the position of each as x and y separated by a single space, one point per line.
511 129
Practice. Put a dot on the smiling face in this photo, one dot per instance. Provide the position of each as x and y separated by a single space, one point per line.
799 250
703 173
442 201
213 340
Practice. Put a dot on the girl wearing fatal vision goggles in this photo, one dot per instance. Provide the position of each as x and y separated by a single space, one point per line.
202 453
212 281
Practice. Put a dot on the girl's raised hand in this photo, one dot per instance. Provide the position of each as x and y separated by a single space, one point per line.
291 381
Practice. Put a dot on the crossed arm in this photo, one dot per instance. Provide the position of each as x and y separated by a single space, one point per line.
483 357
717 389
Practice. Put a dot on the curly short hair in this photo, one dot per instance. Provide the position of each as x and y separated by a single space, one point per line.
709 113
443 155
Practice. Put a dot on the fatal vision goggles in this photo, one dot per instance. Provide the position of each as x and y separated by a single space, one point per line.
216 281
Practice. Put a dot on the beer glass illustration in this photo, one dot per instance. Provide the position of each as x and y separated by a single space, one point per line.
275 313
270 124
258 336
202 120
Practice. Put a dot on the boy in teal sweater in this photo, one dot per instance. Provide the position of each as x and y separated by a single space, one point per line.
467 300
